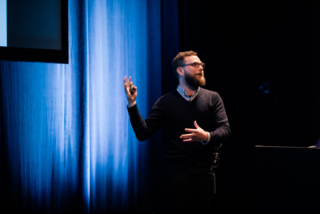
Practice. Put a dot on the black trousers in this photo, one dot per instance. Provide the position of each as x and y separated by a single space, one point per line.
189 188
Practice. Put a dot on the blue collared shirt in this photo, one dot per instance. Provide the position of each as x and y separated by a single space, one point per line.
183 93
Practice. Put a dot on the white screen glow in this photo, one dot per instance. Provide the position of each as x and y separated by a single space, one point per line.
3 23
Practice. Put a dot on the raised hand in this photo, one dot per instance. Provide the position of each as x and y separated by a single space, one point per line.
131 97
197 134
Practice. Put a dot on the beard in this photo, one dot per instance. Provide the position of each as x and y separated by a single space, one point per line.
194 81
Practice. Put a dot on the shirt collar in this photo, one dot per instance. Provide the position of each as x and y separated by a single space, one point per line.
183 93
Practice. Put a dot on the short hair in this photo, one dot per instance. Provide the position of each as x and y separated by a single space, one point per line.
179 60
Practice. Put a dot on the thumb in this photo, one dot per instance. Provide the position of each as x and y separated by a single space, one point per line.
196 125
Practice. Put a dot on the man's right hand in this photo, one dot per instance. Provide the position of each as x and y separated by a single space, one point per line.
131 97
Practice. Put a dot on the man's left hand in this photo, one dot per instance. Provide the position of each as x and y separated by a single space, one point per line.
197 134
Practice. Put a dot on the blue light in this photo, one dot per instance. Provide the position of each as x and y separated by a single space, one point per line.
67 125
264 87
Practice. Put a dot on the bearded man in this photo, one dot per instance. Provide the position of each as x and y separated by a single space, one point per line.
195 125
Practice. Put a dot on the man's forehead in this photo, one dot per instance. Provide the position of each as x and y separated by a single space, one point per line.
191 59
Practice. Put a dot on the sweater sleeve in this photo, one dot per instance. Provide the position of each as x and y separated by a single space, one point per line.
222 130
144 129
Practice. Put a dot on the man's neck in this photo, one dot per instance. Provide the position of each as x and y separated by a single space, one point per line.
189 91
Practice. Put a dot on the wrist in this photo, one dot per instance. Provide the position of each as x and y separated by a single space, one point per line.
204 142
205 137
131 103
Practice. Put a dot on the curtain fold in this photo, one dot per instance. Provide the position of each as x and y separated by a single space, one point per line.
66 140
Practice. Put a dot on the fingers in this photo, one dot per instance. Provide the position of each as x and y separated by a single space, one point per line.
125 80
134 88
127 85
196 125
196 135
187 136
190 130
193 130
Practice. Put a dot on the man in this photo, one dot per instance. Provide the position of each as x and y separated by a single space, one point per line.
195 125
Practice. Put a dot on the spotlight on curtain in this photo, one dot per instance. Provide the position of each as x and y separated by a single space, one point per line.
66 140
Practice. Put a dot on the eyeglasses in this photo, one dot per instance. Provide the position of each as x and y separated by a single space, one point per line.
195 64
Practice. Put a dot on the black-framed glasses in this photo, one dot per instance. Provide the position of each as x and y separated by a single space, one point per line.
195 64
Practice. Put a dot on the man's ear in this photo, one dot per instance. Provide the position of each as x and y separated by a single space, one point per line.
179 71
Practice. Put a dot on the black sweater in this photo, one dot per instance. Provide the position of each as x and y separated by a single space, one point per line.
175 113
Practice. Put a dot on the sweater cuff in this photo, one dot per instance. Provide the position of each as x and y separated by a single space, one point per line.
133 110
129 106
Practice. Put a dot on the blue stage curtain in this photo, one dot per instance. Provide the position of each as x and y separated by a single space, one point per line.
66 139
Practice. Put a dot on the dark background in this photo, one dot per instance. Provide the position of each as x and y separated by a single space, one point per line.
262 58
